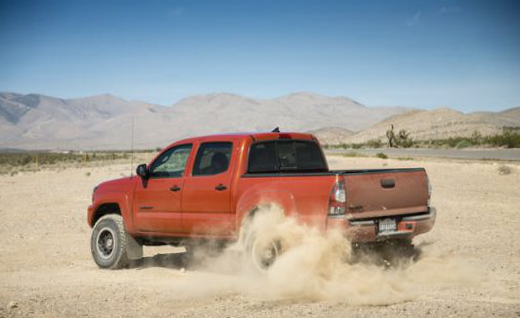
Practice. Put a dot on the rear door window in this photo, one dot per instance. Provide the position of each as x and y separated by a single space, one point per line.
212 158
286 155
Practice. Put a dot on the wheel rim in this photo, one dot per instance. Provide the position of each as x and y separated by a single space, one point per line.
105 243
264 254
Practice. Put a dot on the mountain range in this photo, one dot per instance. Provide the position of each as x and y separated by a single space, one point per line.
35 121
441 123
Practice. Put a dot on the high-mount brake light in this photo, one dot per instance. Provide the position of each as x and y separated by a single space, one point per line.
284 136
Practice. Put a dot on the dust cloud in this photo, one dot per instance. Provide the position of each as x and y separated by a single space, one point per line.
316 266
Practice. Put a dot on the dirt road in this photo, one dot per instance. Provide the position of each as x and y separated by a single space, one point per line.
469 265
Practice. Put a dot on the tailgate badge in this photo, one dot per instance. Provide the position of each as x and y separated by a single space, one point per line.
356 208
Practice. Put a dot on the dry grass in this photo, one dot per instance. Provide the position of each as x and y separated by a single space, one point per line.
14 163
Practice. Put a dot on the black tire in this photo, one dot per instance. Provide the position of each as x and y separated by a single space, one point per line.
109 243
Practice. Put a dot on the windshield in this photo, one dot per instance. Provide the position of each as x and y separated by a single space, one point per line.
286 156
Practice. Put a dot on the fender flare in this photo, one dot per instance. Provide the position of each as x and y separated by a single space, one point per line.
261 196
119 198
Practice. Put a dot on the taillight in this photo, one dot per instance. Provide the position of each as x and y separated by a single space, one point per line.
338 199
429 185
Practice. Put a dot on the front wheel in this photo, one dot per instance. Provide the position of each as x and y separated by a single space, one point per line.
111 246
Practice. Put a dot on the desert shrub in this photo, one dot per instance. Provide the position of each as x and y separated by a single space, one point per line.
399 140
504 170
452 142
49 158
463 144
374 143
357 146
508 138
407 143
476 138
352 154
381 155
344 146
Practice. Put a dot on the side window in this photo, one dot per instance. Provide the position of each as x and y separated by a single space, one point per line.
171 163
212 158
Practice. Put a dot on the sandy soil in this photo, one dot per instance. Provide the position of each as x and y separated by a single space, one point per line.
469 265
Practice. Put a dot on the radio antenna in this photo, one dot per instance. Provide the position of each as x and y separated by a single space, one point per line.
132 150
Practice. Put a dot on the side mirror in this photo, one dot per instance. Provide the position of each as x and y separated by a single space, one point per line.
142 171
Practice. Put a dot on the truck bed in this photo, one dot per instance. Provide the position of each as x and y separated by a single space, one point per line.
371 193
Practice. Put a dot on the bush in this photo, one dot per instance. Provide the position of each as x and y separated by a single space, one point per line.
476 138
508 138
504 170
374 143
407 143
352 154
345 146
463 144
381 155
402 139
50 158
357 146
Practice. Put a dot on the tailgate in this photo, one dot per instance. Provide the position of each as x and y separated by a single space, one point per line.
380 193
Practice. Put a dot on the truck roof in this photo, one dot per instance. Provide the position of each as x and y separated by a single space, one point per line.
255 136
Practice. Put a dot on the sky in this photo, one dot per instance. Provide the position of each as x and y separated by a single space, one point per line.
416 53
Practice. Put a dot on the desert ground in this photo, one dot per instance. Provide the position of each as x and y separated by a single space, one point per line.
468 266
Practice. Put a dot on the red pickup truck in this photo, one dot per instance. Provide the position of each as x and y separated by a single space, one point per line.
207 187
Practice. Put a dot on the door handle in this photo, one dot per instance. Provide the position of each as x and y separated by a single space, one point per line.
175 188
220 187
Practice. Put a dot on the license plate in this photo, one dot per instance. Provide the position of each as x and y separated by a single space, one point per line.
387 226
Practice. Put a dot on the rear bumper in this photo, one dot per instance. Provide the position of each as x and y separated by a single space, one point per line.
366 230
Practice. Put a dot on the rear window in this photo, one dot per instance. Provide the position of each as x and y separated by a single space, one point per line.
286 156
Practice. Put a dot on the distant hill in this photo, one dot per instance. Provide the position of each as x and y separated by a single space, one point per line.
332 135
41 122
441 123
36 121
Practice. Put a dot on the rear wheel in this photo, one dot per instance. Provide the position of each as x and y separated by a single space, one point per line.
260 250
263 253
388 253
111 246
